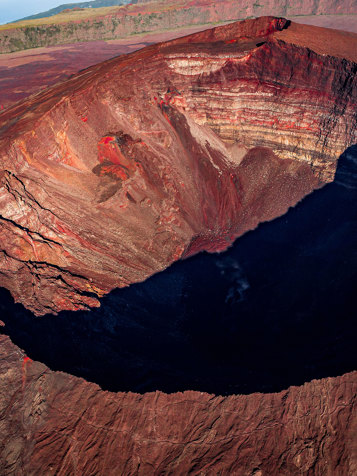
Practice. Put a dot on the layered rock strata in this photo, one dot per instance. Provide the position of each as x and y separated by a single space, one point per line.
143 17
183 146
130 165
28 72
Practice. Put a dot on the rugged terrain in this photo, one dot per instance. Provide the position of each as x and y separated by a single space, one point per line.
114 174
137 162
68 7
23 73
143 17
53 423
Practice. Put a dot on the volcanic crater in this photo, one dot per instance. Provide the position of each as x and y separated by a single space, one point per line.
209 143
110 177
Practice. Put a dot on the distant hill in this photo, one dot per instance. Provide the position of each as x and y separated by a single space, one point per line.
70 6
141 17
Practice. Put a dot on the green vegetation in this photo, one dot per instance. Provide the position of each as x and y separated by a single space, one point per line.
98 24
91 4
76 15
17 44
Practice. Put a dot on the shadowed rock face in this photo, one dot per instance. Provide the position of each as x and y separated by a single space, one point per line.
183 146
117 173
275 310
54 423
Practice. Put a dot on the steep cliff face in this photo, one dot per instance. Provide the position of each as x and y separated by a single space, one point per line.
53 423
144 159
135 163
118 22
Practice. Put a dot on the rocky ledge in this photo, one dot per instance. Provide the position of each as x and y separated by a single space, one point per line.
180 147
55 424
138 17
137 162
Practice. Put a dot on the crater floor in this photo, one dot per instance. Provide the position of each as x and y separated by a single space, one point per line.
277 309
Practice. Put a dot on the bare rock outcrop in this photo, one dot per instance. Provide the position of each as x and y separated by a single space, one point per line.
154 16
53 423
183 146
137 162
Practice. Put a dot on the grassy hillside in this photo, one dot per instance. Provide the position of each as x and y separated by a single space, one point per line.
66 6
63 18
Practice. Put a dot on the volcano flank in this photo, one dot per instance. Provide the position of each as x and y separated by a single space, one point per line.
116 178
113 175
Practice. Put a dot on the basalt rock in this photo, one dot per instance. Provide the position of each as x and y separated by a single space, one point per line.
183 146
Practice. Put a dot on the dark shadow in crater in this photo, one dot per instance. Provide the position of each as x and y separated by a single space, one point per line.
277 309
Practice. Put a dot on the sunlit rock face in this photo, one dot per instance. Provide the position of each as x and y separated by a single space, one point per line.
183 146
149 158
162 15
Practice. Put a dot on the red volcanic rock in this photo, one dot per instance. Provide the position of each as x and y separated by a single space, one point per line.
74 9
158 15
147 158
130 165
53 423
115 154
27 72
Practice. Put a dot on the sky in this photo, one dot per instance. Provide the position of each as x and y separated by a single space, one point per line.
11 10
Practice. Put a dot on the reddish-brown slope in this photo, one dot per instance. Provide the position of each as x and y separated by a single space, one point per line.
55 424
119 22
337 22
26 72
182 146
